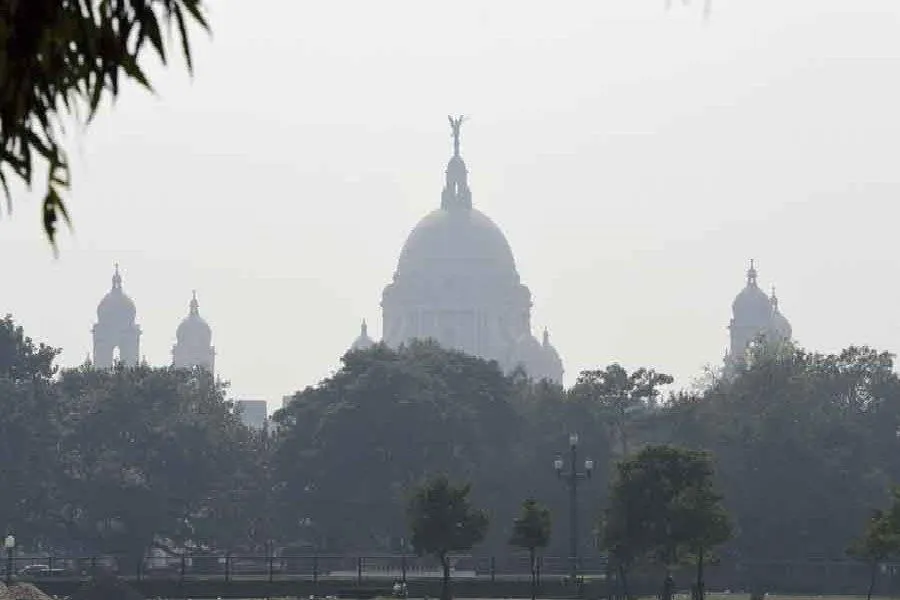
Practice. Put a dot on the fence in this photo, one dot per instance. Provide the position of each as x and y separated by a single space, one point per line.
802 577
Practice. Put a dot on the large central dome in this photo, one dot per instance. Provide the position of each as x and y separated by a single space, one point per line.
456 283
453 239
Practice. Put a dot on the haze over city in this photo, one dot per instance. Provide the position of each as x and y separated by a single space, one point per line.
635 157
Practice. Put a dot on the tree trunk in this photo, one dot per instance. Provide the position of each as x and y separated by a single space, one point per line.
700 589
445 580
668 586
623 577
533 574
872 577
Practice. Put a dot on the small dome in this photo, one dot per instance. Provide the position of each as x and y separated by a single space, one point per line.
116 307
780 325
363 341
193 329
752 304
554 361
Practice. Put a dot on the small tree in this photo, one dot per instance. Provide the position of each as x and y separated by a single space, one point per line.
443 521
880 539
531 530
663 506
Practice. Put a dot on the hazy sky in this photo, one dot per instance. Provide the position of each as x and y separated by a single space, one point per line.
636 158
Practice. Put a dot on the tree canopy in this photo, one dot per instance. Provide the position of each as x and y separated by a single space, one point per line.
57 57
442 521
531 530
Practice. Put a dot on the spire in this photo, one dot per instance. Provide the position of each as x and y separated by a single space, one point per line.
546 338
117 279
774 299
456 192
194 305
751 274
363 329
456 125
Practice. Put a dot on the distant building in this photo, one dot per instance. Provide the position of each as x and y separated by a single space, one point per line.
116 335
254 413
362 341
755 316
193 347
456 283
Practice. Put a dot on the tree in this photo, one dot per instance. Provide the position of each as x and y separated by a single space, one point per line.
662 506
149 455
350 448
32 419
620 395
56 56
442 521
804 443
880 540
531 530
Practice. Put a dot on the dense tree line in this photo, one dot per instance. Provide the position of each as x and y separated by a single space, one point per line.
804 446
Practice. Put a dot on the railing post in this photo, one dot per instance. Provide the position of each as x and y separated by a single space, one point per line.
316 568
403 568
271 567
493 570
359 565
228 566
183 565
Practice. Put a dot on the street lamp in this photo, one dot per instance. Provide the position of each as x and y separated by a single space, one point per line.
10 544
571 477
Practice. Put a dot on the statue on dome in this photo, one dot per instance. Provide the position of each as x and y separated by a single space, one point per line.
455 125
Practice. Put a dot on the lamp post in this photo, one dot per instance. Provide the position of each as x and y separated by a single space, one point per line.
10 544
571 477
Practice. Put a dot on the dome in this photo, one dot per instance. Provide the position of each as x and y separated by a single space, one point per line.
116 306
553 358
193 329
752 304
780 325
363 341
457 238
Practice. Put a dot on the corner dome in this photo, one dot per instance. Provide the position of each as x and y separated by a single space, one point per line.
116 306
457 236
362 341
193 329
780 324
752 303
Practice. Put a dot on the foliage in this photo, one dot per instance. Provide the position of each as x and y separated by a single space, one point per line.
804 444
58 55
32 418
531 530
442 521
880 540
146 452
621 396
350 448
663 507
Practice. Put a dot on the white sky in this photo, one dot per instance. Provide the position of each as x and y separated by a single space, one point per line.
636 158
